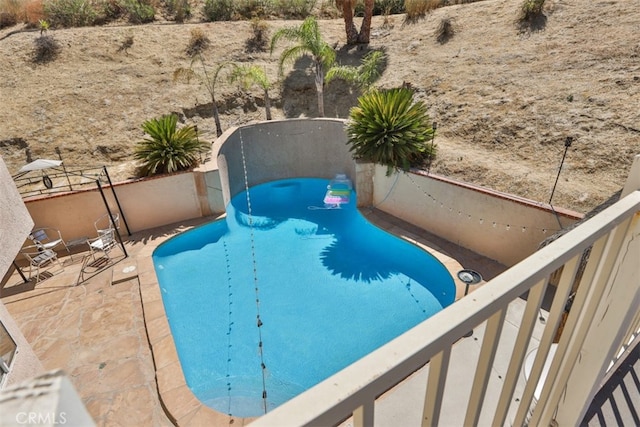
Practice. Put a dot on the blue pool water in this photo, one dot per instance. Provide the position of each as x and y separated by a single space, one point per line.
331 288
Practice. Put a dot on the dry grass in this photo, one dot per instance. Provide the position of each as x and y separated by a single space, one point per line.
504 102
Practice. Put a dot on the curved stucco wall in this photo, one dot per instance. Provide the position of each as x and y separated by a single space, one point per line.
282 149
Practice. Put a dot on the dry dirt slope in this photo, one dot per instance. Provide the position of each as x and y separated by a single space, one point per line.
504 101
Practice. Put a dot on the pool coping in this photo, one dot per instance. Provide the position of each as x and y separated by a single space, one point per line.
178 401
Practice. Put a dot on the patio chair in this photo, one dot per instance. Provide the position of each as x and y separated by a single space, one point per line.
48 238
104 243
104 222
38 258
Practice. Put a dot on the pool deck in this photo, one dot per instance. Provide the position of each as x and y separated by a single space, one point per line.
111 336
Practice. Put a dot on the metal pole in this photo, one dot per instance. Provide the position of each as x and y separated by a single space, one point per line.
64 168
20 272
567 144
198 141
434 126
113 190
104 199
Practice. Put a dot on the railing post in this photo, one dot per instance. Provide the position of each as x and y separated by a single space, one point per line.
438 368
592 287
633 180
615 313
485 364
363 415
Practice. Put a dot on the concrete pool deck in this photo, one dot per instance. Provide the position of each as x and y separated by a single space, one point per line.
111 336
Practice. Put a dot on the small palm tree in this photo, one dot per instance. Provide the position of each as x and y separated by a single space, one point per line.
310 42
207 79
247 75
168 149
389 128
363 75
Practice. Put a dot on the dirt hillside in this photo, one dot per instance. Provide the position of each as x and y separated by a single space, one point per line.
504 100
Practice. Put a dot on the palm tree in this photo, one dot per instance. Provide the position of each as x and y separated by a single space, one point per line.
168 149
353 36
363 75
208 80
310 42
247 75
388 127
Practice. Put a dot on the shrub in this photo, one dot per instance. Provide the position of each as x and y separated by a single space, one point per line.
247 9
198 42
179 10
446 29
328 10
531 10
382 7
110 10
33 12
258 41
389 128
416 9
295 8
7 19
70 13
10 11
126 44
46 49
168 149
218 10
139 12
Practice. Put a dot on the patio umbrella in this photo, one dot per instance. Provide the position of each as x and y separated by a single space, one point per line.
39 165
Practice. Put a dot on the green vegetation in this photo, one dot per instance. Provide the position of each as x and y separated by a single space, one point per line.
247 76
139 12
46 48
218 10
363 75
531 10
206 78
258 41
389 128
226 10
198 42
70 13
76 13
179 10
309 43
168 149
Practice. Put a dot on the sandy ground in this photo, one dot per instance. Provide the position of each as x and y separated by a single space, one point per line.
504 100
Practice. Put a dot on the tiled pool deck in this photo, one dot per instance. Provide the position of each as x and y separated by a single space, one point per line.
111 336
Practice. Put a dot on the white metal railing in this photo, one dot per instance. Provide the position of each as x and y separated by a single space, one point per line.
602 320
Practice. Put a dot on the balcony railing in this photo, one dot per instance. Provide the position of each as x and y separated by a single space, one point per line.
594 265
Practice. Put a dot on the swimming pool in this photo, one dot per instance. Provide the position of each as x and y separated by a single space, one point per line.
330 286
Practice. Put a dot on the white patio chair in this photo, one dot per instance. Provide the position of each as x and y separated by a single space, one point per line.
104 243
104 222
38 258
48 238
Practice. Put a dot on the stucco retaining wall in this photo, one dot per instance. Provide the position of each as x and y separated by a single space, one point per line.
500 226
146 203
